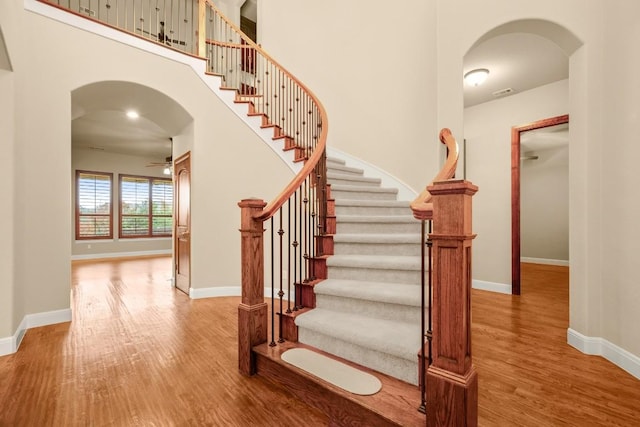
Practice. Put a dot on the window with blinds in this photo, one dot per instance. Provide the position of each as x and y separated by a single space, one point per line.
146 206
94 212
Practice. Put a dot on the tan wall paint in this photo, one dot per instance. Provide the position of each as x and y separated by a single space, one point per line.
620 195
372 66
6 214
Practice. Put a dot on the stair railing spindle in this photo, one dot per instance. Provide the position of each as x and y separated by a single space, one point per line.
289 256
273 287
280 273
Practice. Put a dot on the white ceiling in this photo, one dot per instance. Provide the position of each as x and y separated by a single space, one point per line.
520 61
99 120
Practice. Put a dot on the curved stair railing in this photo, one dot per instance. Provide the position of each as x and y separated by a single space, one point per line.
296 219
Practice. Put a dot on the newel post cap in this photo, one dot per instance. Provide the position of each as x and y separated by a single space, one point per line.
452 186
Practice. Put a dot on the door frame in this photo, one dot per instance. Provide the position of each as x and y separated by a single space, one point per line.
184 157
516 132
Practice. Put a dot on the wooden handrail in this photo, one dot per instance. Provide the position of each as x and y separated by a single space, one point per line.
275 204
422 207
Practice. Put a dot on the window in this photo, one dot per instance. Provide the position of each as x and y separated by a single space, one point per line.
146 206
94 211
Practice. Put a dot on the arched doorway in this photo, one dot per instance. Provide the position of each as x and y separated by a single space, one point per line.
487 158
122 137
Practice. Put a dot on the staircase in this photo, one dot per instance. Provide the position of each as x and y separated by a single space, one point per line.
368 310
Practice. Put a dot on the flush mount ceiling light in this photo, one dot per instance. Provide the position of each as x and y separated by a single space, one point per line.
132 114
476 77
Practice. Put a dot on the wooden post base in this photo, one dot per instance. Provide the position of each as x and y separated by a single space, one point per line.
252 330
452 400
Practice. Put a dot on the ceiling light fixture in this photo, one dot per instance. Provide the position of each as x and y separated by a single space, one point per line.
476 77
167 171
132 114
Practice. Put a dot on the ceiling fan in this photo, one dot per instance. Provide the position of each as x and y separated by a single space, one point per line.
167 165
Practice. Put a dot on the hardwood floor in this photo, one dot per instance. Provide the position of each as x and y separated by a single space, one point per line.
138 352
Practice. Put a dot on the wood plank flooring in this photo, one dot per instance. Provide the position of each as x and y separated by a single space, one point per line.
140 353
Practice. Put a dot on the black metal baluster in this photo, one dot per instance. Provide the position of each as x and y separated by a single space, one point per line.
289 256
273 297
295 251
280 292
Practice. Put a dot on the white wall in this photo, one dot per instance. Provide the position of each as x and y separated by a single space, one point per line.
371 64
118 164
487 129
229 159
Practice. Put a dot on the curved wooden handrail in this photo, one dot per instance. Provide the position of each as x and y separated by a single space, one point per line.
422 207
275 204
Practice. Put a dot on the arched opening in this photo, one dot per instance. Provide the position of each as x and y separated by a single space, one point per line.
529 80
124 137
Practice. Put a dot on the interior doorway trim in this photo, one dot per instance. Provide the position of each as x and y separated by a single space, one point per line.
516 132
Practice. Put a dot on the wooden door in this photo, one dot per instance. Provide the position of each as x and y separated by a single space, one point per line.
182 230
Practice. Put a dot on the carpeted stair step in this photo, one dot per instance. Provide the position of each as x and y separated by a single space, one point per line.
395 244
385 345
359 192
372 207
378 224
335 161
379 268
345 170
351 179
391 301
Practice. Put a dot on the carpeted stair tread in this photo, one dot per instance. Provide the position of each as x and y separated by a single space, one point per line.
374 203
382 219
360 188
345 169
352 179
393 293
331 159
399 339
377 238
380 262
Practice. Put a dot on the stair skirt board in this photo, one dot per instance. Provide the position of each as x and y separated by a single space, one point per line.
333 371
397 367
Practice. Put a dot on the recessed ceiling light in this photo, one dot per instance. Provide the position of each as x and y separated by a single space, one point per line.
132 114
476 77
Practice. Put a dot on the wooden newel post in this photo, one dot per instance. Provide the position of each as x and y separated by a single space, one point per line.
252 311
452 382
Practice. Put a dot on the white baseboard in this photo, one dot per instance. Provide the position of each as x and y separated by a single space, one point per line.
561 262
227 291
121 254
11 344
601 347
491 286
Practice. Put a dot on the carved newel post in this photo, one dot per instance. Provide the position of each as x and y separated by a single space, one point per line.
452 382
252 311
